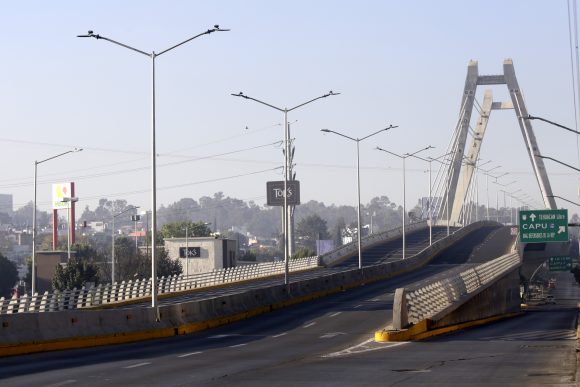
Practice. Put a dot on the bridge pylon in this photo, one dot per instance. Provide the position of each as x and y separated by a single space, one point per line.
463 161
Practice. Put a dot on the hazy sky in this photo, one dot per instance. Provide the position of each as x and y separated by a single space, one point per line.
394 62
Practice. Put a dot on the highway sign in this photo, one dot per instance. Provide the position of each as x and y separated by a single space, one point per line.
544 226
559 263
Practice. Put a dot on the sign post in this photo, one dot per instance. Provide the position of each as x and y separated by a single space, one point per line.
560 263
541 226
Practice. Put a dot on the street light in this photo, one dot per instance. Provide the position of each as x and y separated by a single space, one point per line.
358 140
286 162
404 157
566 200
69 201
487 175
33 271
152 55
530 117
429 206
113 241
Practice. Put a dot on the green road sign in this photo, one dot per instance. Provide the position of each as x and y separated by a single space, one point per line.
559 263
544 226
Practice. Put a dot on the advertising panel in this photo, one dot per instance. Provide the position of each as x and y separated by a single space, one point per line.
59 192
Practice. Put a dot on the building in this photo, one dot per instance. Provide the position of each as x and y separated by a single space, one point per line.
203 253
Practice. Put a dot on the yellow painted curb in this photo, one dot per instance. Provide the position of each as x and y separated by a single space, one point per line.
422 330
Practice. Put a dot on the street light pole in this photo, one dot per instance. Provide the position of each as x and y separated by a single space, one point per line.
358 140
430 206
153 55
33 268
113 240
286 164
69 200
403 157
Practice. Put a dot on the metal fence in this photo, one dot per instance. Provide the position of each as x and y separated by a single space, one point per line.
122 291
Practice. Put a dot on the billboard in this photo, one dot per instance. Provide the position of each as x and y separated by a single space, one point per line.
59 192
275 193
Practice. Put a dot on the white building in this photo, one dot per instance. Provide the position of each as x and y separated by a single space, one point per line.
204 253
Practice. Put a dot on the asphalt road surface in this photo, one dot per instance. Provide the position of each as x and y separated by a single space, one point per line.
328 342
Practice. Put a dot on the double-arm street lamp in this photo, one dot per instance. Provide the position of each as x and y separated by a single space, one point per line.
152 55
358 140
487 174
113 233
33 273
404 157
429 204
286 162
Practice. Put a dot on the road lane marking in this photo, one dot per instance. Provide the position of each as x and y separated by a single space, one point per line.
222 336
190 354
280 335
366 346
335 314
331 335
357 306
238 345
309 324
137 365
62 383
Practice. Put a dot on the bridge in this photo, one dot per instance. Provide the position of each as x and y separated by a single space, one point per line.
430 278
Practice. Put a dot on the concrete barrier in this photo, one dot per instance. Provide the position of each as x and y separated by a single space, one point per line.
473 292
34 332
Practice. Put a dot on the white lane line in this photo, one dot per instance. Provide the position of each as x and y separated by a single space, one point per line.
280 335
335 314
238 345
357 306
222 336
190 354
366 346
137 365
62 383
309 324
331 335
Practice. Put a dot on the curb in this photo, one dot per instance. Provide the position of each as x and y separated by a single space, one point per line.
423 329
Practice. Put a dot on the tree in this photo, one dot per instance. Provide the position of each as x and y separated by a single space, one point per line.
177 230
166 266
310 229
131 263
8 276
75 274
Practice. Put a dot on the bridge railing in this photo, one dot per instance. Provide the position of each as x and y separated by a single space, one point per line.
352 247
128 290
424 300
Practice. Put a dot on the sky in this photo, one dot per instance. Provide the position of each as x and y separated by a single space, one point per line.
393 63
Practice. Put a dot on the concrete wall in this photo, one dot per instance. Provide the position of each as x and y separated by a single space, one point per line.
501 297
465 293
33 332
214 253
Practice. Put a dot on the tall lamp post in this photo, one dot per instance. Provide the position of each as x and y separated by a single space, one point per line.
113 240
358 140
404 157
429 206
33 269
70 229
286 162
153 55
